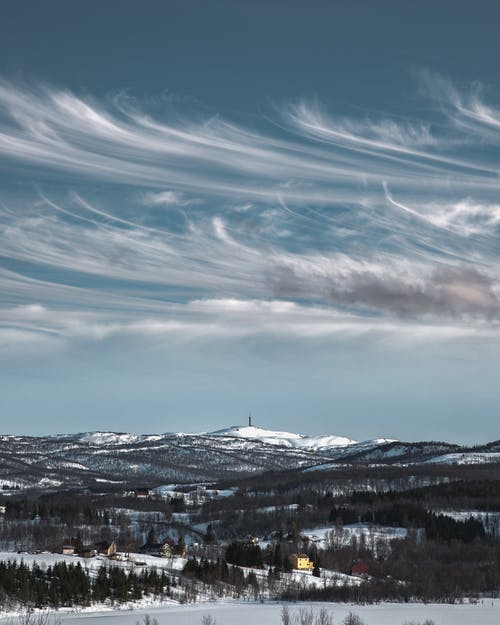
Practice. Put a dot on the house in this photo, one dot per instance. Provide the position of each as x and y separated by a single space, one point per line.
151 549
68 550
359 569
87 552
166 549
180 550
106 549
142 493
252 540
301 562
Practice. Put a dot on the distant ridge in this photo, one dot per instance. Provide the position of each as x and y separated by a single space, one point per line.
98 460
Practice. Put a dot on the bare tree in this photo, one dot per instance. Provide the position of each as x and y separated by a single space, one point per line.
28 616
208 619
148 620
323 618
286 617
305 617
352 619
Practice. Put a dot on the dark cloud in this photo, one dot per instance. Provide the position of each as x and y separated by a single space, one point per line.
443 291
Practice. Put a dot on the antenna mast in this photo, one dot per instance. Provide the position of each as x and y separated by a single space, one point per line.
250 419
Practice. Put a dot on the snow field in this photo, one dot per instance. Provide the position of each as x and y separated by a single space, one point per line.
485 612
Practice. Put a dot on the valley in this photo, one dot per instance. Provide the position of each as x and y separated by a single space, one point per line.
356 514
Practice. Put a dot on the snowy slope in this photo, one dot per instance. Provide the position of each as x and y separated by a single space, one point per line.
115 438
466 458
285 439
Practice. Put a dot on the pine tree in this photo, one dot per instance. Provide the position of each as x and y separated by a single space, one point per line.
151 539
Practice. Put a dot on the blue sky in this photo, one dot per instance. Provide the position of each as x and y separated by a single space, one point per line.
214 207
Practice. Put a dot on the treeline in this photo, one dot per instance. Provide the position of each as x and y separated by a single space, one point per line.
423 570
370 591
244 554
481 494
70 507
66 585
349 477
407 515
67 512
44 522
213 572
373 500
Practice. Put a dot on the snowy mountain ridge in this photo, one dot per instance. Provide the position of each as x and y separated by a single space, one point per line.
248 432
91 459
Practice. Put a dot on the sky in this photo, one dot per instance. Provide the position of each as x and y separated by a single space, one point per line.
289 208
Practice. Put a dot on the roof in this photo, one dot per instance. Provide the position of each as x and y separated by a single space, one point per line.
360 566
152 546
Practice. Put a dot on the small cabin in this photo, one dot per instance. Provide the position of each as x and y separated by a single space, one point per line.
151 549
359 569
106 549
68 550
180 551
301 562
142 492
251 539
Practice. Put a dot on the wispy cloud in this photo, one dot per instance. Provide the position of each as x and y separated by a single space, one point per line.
321 156
315 224
35 328
466 110
169 198
466 217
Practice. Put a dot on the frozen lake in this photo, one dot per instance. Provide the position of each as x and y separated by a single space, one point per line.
484 613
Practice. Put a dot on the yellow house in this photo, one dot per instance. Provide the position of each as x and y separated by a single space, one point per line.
301 562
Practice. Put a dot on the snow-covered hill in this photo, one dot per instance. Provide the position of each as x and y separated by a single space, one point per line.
285 439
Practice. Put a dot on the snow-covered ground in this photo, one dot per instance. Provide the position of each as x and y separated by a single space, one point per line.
466 458
199 492
271 509
486 612
116 438
6 484
343 535
135 560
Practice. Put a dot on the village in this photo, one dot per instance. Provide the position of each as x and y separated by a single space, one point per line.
340 535
252 552
181 544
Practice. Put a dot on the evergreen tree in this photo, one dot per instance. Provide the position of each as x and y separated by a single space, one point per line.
151 538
